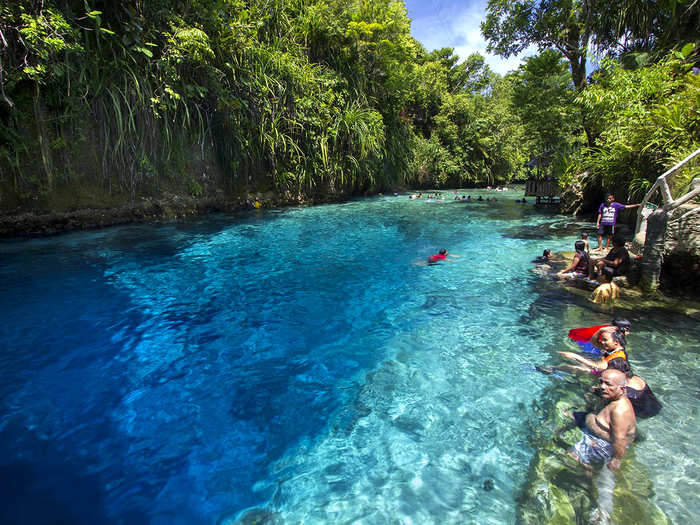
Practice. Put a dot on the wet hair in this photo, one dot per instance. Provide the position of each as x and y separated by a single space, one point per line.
618 240
618 336
623 324
579 246
442 251
584 235
621 364
547 253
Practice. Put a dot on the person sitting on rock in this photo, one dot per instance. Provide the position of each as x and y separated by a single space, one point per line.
618 259
579 264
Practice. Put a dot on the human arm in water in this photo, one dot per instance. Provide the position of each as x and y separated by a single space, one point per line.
598 365
571 267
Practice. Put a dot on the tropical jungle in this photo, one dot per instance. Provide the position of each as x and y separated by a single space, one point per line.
107 104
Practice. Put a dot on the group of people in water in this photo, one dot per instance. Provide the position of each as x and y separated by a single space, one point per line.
434 196
468 198
621 396
609 429
598 270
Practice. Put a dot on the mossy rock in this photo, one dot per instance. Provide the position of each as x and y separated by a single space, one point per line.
562 492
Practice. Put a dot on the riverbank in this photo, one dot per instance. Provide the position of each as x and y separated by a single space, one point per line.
169 207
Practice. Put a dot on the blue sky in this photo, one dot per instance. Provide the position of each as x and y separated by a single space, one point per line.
455 23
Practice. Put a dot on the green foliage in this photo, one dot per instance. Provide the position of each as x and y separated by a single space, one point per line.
543 98
476 139
319 96
646 119
47 38
565 25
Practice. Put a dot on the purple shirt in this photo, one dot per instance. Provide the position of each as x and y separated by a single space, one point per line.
608 214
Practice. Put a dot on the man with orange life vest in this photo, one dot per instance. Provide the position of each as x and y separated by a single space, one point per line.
611 344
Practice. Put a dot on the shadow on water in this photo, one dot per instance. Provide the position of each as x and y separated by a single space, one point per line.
556 229
33 495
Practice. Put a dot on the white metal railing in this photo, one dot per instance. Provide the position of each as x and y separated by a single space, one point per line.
661 184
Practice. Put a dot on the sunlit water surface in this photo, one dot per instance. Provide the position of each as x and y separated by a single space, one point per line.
299 363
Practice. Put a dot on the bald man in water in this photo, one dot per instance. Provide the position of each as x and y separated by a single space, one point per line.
608 434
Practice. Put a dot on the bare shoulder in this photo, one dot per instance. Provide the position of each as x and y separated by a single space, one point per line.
621 407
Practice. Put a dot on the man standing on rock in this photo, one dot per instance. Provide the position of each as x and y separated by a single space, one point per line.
608 434
607 217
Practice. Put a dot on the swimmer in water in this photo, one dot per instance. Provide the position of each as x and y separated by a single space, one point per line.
442 255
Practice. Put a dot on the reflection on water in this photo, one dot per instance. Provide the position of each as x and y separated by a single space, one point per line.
297 366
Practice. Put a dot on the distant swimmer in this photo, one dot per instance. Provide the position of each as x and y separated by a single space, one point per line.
442 255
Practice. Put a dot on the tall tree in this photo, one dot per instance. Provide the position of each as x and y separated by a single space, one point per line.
565 25
543 97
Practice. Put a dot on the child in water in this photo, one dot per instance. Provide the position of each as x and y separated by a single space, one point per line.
440 256
584 238
607 292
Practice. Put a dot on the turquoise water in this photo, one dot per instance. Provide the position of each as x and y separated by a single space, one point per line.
302 366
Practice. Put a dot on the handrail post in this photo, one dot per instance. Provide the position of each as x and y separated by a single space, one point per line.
662 184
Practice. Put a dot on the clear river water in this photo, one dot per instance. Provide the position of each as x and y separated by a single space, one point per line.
304 366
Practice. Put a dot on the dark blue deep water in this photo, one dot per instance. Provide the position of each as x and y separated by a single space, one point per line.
301 366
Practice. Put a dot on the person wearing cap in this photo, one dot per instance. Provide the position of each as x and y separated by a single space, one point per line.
623 326
612 344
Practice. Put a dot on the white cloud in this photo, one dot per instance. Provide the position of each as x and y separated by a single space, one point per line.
459 27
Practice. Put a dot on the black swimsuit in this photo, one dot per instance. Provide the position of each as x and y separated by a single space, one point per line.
644 402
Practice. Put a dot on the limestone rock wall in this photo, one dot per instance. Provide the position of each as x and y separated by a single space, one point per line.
681 266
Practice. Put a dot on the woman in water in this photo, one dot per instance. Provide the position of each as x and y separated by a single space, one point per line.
440 256
640 395
607 291
579 264
612 346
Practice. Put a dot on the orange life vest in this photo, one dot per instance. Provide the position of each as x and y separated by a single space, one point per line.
615 355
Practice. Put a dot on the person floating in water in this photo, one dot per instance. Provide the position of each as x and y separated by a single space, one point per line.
442 255
612 345
589 338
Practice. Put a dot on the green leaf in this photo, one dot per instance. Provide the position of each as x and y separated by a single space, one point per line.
687 49
145 51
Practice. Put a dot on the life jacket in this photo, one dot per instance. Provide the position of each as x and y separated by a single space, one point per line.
615 355
582 266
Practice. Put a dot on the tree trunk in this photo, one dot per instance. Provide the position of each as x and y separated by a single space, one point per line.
577 63
653 250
